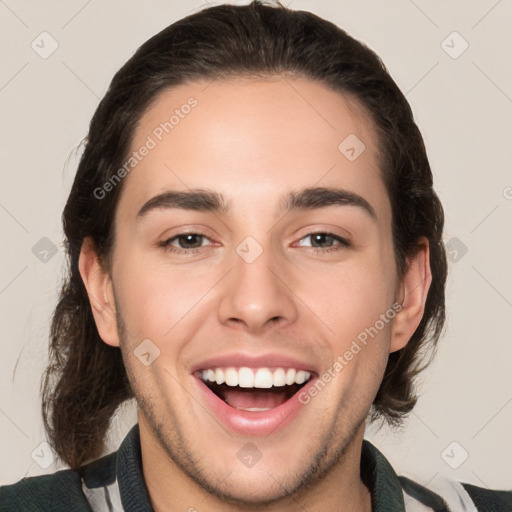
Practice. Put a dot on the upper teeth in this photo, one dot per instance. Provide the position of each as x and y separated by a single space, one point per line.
255 378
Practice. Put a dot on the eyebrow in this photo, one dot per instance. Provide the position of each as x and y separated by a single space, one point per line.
209 201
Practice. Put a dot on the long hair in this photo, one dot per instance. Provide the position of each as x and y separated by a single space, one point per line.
86 381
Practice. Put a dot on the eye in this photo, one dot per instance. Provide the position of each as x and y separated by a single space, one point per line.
185 242
192 242
324 242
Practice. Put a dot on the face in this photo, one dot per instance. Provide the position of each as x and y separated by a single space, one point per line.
253 281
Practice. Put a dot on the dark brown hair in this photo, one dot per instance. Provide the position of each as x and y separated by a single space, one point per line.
86 381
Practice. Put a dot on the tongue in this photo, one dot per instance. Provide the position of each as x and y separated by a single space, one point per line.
243 399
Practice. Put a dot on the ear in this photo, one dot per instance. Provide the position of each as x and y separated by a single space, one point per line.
98 284
413 295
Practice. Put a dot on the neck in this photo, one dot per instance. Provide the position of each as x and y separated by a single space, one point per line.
170 488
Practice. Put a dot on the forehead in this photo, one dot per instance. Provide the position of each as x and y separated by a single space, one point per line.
252 138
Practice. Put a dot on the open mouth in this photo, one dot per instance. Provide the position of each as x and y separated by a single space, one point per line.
254 390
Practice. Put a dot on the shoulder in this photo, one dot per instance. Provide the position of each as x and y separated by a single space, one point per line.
489 500
60 491
443 493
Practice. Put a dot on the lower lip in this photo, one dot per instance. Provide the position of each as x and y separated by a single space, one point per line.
252 423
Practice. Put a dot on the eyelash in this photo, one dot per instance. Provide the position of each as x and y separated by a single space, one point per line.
166 244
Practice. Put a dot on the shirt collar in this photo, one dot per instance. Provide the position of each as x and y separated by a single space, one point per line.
376 473
379 476
133 490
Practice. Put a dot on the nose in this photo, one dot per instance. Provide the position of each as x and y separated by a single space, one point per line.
255 296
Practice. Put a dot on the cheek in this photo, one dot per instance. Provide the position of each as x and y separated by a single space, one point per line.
350 297
154 297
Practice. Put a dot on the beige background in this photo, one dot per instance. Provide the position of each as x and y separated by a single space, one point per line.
463 106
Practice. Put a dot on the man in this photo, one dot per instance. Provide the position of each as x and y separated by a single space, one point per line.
256 257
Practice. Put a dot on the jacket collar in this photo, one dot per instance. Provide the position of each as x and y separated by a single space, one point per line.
376 473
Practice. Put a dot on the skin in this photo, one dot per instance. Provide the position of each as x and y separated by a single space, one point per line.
253 140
